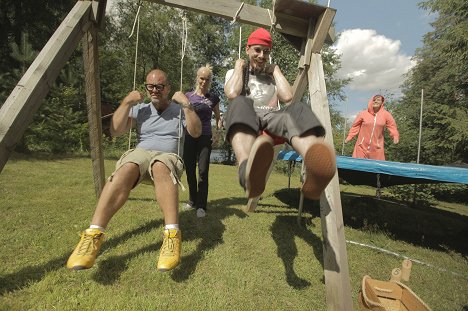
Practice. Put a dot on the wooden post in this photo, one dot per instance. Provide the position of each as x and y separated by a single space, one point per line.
93 100
18 110
335 259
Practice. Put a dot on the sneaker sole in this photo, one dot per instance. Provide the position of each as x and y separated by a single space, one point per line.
320 164
258 164
76 268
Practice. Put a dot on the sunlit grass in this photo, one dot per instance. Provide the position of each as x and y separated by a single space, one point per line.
231 260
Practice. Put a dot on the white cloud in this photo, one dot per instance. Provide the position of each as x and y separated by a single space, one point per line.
373 61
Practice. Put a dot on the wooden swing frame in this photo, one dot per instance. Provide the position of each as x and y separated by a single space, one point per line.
306 26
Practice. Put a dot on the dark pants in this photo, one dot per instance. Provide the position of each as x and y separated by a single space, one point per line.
294 120
197 149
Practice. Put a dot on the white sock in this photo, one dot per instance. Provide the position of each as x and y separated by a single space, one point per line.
97 227
171 226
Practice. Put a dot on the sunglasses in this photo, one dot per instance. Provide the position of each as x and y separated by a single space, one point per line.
259 50
158 87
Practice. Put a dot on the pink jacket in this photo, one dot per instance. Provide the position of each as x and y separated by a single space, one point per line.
370 126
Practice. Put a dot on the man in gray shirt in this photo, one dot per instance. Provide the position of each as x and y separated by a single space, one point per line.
156 157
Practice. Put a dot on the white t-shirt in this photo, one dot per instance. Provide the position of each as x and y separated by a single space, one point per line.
262 91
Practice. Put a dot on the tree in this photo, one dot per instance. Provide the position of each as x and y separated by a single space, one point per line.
442 71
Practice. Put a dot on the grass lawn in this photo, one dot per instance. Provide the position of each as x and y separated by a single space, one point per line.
230 260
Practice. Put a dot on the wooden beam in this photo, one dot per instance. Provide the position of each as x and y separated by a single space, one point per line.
321 29
93 101
286 24
335 259
100 13
18 110
305 11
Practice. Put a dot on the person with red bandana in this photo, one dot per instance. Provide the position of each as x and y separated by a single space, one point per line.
254 88
370 125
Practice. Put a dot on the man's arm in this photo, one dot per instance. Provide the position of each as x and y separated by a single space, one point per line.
191 118
233 87
282 85
121 122
217 116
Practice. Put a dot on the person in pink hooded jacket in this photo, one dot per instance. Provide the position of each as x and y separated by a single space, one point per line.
370 125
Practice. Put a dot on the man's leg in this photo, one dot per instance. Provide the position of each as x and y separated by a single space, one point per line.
167 195
115 194
113 197
319 161
254 155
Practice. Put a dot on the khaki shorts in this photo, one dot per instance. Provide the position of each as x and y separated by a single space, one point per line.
145 160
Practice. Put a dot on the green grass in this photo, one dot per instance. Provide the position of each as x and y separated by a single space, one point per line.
231 260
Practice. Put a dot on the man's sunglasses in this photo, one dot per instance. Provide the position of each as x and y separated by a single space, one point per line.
158 87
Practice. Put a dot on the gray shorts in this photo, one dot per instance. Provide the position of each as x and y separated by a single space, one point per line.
294 120
145 160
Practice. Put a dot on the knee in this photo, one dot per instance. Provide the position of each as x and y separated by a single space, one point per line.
127 174
160 171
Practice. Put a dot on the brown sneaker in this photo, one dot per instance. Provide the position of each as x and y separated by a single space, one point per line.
169 257
85 252
258 164
320 167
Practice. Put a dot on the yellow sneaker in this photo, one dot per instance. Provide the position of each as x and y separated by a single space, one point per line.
84 255
169 257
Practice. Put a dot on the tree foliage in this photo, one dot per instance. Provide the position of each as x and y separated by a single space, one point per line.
442 72
61 122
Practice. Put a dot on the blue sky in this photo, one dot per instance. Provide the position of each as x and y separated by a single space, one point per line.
377 40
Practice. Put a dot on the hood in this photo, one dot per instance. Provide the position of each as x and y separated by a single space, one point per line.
370 104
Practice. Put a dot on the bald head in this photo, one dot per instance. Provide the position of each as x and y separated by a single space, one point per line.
157 74
158 88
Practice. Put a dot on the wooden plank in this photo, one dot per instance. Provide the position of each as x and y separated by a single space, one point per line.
306 11
18 110
250 14
337 283
93 101
101 12
289 25
300 8
300 84
321 29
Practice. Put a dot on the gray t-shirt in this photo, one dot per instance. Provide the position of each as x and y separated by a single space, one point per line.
159 132
262 92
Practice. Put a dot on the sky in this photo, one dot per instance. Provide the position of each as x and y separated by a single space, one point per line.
377 39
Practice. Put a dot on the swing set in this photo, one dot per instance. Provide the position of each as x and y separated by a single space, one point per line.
305 25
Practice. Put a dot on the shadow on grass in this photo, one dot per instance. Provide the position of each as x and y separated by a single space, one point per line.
426 227
209 229
29 275
284 230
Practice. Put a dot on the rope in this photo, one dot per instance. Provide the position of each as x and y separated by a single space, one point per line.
234 18
184 45
182 55
405 257
240 40
137 23
272 22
